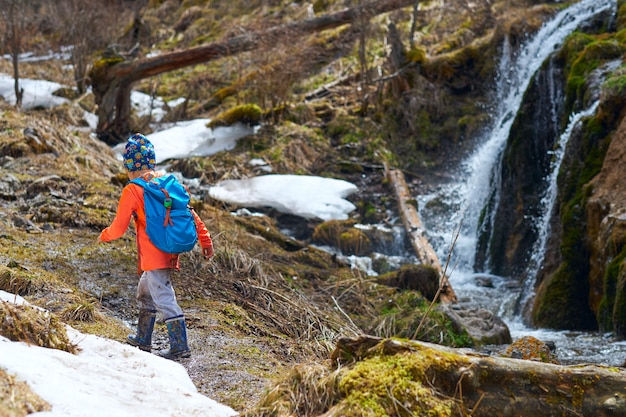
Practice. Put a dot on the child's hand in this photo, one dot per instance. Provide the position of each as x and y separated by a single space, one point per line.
208 252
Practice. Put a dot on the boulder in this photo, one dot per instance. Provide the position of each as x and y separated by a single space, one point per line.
484 327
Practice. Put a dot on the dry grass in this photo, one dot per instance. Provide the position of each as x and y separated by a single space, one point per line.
34 326
307 390
17 399
81 311
18 280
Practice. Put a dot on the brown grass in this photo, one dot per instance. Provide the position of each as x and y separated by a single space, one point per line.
17 399
34 326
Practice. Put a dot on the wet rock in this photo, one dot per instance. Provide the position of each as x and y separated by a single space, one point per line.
42 185
530 348
37 142
484 327
484 281
9 185
342 235
24 223
413 277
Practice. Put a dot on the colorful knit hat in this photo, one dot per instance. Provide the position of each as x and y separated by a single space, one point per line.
139 153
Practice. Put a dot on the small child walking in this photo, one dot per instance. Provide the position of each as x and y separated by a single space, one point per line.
155 292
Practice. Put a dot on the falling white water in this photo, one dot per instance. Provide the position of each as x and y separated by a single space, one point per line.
547 202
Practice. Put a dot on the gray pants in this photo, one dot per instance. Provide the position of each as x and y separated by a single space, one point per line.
155 292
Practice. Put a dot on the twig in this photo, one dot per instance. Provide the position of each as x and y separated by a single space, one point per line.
397 403
477 404
348 317
441 282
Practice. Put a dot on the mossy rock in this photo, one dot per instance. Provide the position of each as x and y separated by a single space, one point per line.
619 308
342 235
584 53
374 377
408 314
531 349
607 313
613 97
621 15
422 278
559 303
248 114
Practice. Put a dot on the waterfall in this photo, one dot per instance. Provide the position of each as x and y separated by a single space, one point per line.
548 201
472 201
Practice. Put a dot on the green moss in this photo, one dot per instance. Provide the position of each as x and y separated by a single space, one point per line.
374 386
342 235
400 314
553 309
621 15
368 212
569 285
416 55
225 92
584 53
619 307
100 66
616 83
249 114
611 279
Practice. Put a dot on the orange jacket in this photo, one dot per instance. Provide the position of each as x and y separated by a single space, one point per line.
149 256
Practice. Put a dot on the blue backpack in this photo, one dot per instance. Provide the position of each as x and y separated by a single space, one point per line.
169 221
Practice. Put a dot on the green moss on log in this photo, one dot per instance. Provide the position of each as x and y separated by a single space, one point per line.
381 377
100 67
378 384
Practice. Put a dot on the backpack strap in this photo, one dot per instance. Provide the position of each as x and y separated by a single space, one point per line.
167 203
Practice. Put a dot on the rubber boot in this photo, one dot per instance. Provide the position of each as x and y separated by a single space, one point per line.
145 326
177 331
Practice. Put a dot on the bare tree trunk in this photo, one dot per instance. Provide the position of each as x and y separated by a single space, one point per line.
19 93
107 80
13 14
363 25
413 24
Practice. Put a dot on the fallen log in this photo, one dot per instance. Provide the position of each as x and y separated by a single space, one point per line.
392 377
416 233
467 383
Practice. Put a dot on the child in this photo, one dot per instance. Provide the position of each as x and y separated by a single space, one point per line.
154 291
